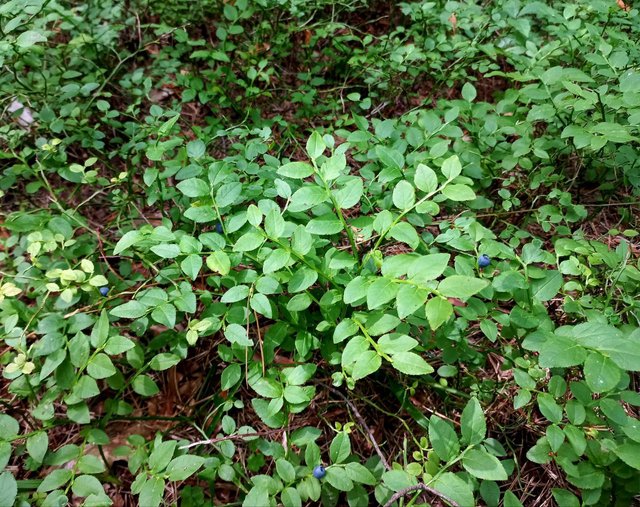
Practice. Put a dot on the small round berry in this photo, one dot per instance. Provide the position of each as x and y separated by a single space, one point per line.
484 260
319 472
219 228
104 290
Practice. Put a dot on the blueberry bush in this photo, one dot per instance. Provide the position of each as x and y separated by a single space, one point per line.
319 252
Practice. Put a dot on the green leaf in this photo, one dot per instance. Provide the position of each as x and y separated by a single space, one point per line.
228 193
390 157
248 242
366 363
380 323
296 170
37 445
380 292
260 303
404 195
360 474
428 267
30 38
166 127
100 331
405 232
166 250
307 197
161 455
629 453
461 287
129 310
443 438
324 225
355 347
55 479
622 350
219 262
183 467
344 330
276 260
546 288
85 485
411 364
8 489
298 394
561 352
350 193
290 497
9 427
196 149
425 179
469 92
601 373
489 329
394 343
90 464
191 265
511 500
396 480
630 81
340 448
152 492
409 298
127 241
285 470
235 294
338 479
555 437
101 367
483 465
458 192
193 187
230 376
473 423
145 386
165 314
299 303
164 361
235 333
438 311
5 455
274 224
565 498
258 495
315 145
455 488
355 290
302 279
98 281
201 214
549 408
451 167
86 387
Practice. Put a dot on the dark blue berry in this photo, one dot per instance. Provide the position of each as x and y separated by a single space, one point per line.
319 472
484 260
104 290
219 228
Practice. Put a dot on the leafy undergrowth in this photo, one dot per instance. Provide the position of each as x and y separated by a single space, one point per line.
304 252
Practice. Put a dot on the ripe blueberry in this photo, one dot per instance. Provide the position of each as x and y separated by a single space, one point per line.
104 290
484 260
319 472
219 228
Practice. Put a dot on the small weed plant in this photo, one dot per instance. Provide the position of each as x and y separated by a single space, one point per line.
319 252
